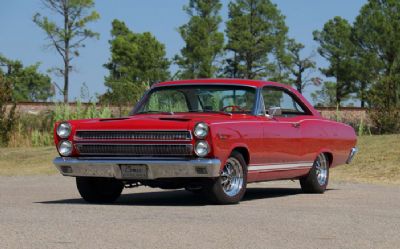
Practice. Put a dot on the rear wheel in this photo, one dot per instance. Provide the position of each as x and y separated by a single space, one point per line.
317 179
230 186
99 190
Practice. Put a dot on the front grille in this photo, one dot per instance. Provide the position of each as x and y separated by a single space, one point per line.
135 149
134 135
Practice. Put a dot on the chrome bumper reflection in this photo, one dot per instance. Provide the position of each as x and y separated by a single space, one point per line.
155 169
353 152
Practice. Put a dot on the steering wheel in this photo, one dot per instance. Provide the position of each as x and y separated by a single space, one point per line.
233 107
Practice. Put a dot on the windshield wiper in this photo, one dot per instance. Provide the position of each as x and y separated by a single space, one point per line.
159 112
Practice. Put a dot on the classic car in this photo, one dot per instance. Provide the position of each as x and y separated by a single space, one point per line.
209 136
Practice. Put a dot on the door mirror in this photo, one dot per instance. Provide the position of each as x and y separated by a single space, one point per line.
274 111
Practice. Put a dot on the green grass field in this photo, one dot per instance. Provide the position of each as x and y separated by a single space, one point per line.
378 161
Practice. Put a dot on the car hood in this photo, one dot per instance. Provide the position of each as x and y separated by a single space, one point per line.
154 122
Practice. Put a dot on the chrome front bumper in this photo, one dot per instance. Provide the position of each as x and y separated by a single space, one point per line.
138 168
352 153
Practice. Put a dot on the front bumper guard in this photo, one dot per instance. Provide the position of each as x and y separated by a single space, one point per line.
154 168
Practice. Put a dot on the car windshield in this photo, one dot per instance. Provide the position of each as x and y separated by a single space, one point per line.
199 98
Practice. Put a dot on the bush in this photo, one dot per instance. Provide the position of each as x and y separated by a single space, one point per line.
7 116
385 120
37 130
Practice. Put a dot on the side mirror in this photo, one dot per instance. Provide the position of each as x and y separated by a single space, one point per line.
274 111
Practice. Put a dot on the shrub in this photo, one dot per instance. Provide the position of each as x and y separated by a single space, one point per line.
7 116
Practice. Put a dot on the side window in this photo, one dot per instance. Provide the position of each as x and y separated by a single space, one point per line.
277 97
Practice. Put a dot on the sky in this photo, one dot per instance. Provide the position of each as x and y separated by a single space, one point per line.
21 39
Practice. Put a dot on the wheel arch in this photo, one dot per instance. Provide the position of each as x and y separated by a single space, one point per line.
329 156
244 152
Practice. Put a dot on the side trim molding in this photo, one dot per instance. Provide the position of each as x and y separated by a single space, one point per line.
275 167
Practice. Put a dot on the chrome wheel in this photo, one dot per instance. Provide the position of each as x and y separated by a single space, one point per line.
321 169
232 177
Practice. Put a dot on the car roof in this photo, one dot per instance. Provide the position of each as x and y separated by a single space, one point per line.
242 82
219 81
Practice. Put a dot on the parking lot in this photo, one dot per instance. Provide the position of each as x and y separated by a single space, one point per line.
47 212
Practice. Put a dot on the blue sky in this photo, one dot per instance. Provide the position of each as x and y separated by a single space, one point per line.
21 39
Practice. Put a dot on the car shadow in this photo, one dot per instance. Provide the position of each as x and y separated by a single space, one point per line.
182 197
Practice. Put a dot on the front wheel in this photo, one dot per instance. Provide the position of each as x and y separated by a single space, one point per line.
99 190
230 186
317 179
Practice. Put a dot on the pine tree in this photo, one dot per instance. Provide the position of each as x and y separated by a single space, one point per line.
203 41
256 34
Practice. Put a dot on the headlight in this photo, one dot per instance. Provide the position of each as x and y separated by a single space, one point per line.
200 130
65 148
64 130
202 148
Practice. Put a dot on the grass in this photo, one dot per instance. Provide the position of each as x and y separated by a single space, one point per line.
27 161
378 161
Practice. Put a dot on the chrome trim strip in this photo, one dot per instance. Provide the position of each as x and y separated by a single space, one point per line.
76 138
156 169
273 167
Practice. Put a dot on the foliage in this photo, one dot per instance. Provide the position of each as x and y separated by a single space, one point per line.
326 96
7 116
37 129
203 41
66 112
137 61
376 33
337 47
67 36
27 83
256 34
298 66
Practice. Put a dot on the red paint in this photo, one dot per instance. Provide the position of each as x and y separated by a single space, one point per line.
282 140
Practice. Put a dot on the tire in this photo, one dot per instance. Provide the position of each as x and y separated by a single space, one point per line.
230 187
197 190
99 190
317 179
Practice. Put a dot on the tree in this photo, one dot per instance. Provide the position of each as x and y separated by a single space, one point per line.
7 115
203 42
377 35
27 83
256 34
68 35
137 61
326 96
298 66
335 45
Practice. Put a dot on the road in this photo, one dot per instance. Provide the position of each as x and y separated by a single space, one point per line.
46 212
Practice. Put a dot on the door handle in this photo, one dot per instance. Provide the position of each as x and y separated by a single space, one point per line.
296 125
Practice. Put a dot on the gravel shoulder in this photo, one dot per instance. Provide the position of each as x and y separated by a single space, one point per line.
47 212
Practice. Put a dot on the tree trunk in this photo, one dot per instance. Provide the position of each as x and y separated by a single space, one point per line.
66 49
66 80
362 94
299 83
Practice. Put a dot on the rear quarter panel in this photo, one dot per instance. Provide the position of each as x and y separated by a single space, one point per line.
322 135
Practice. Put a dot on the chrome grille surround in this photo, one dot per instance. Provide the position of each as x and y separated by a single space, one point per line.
135 149
132 135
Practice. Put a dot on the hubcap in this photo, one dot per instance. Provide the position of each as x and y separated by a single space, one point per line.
321 167
232 177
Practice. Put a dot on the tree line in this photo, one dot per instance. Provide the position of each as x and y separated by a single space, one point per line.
363 56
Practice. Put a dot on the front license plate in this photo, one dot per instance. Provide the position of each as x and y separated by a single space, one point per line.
138 171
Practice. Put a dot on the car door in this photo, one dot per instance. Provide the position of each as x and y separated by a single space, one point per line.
282 141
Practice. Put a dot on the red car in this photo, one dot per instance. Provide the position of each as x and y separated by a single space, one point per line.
209 136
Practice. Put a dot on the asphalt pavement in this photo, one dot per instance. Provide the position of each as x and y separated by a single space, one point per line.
47 212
